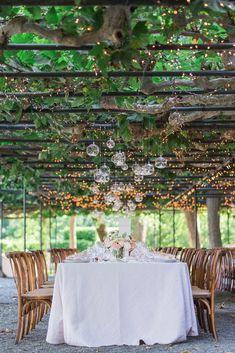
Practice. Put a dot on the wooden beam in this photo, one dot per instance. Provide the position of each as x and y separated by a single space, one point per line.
85 48
94 2
114 74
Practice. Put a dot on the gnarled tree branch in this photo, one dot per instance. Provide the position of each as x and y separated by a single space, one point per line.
112 30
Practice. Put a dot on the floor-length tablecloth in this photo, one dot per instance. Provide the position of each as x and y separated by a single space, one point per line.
99 304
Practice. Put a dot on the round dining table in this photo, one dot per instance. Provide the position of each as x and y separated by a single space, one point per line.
117 303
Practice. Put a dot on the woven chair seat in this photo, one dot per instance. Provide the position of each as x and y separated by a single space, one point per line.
200 293
40 293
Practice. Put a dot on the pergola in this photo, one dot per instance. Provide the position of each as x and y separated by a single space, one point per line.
50 121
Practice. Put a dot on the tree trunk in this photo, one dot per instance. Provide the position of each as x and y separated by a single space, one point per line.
213 206
190 220
139 229
72 232
100 227
101 230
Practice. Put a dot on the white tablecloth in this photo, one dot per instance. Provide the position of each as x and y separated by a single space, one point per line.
100 304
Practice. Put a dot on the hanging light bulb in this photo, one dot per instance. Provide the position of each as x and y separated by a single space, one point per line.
92 150
110 143
160 162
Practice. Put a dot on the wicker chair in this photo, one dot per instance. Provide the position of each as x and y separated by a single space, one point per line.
32 300
205 281
41 268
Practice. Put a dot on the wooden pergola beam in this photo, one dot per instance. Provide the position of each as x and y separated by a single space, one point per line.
203 124
88 47
116 74
61 110
94 2
115 94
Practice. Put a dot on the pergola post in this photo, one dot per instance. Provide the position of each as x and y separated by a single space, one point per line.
213 206
195 219
160 227
55 231
228 226
72 232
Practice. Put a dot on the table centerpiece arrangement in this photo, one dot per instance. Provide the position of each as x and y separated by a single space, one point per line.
120 245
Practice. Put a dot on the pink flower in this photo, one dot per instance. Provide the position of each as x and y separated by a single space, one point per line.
116 246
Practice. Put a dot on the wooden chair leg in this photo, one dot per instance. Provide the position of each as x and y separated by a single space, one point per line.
19 329
27 322
22 331
198 314
209 321
213 326
202 317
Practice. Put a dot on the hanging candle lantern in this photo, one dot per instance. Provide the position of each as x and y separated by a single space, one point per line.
160 162
92 150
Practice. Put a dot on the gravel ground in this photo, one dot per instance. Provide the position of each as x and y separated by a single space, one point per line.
35 341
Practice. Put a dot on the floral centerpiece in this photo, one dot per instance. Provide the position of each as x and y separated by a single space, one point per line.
120 245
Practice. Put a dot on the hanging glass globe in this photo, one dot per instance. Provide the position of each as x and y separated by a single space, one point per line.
101 177
114 187
138 178
129 187
148 169
132 206
95 189
105 169
124 166
117 205
110 197
92 150
137 169
121 187
138 198
125 209
110 144
118 158
161 162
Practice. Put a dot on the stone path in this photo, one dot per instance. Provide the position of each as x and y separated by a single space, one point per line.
35 341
